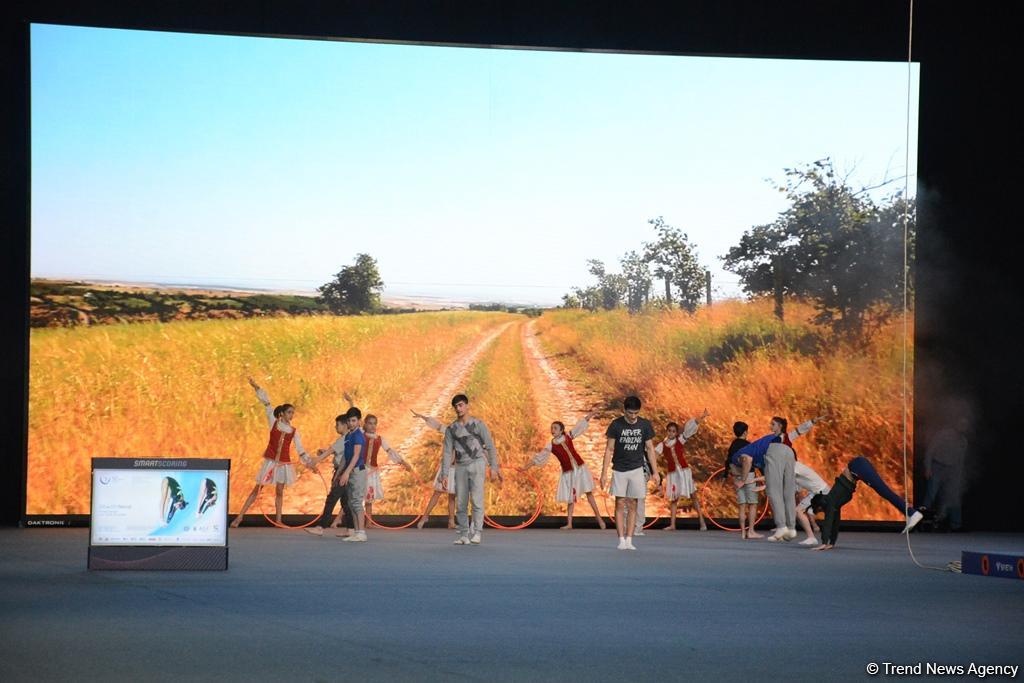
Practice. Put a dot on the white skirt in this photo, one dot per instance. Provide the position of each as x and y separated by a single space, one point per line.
679 484
574 484
275 473
374 490
441 485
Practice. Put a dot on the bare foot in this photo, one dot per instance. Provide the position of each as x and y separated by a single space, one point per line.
670 527
567 526
343 533
451 524
277 518
236 522
703 527
419 524
600 523
754 534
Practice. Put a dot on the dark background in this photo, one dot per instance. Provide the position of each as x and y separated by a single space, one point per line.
967 308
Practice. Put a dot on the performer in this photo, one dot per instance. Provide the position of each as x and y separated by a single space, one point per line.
277 466
171 499
811 483
831 503
374 445
207 496
629 439
441 484
576 478
746 485
679 476
468 442
353 475
337 492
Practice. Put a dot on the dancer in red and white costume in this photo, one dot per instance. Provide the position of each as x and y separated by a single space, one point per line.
277 468
576 479
375 443
443 486
679 477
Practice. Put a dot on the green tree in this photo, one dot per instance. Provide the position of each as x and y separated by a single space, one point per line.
610 288
636 272
676 263
354 289
834 246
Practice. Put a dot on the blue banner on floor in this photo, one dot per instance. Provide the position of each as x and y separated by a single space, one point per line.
993 564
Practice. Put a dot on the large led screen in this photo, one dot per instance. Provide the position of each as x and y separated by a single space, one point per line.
544 231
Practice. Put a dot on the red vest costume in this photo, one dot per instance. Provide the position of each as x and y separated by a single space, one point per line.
280 444
785 440
566 454
374 448
674 455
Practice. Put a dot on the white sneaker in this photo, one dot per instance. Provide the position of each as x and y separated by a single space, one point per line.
315 530
629 544
476 539
779 535
639 533
810 540
912 521
622 543
461 540
790 534
355 537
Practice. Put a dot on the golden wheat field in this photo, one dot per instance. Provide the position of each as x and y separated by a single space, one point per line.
179 389
679 364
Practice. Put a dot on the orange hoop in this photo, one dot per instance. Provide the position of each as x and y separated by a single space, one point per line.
386 527
536 513
282 525
703 506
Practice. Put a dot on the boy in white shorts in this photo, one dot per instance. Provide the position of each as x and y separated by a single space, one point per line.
630 439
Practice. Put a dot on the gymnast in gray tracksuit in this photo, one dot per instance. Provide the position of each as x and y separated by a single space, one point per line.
469 440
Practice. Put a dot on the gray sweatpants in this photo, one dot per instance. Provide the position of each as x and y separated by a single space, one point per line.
780 480
469 483
356 491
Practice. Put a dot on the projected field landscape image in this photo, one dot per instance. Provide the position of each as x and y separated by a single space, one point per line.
546 232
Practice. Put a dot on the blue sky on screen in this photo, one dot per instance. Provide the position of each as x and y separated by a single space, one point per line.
470 174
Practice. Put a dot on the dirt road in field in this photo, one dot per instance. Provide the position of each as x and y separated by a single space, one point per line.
410 436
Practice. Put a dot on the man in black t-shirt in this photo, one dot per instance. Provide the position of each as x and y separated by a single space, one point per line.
630 439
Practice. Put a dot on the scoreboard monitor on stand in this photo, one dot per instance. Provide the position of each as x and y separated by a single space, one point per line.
159 513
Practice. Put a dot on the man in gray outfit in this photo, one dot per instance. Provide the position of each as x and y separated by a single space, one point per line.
780 480
469 440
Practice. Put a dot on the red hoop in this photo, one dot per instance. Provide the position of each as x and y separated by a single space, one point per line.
704 508
536 513
282 525
415 519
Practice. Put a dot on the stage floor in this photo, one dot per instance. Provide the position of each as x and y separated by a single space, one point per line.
530 605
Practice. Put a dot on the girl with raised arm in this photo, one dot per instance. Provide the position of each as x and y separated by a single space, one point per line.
277 468
576 478
679 477
443 486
